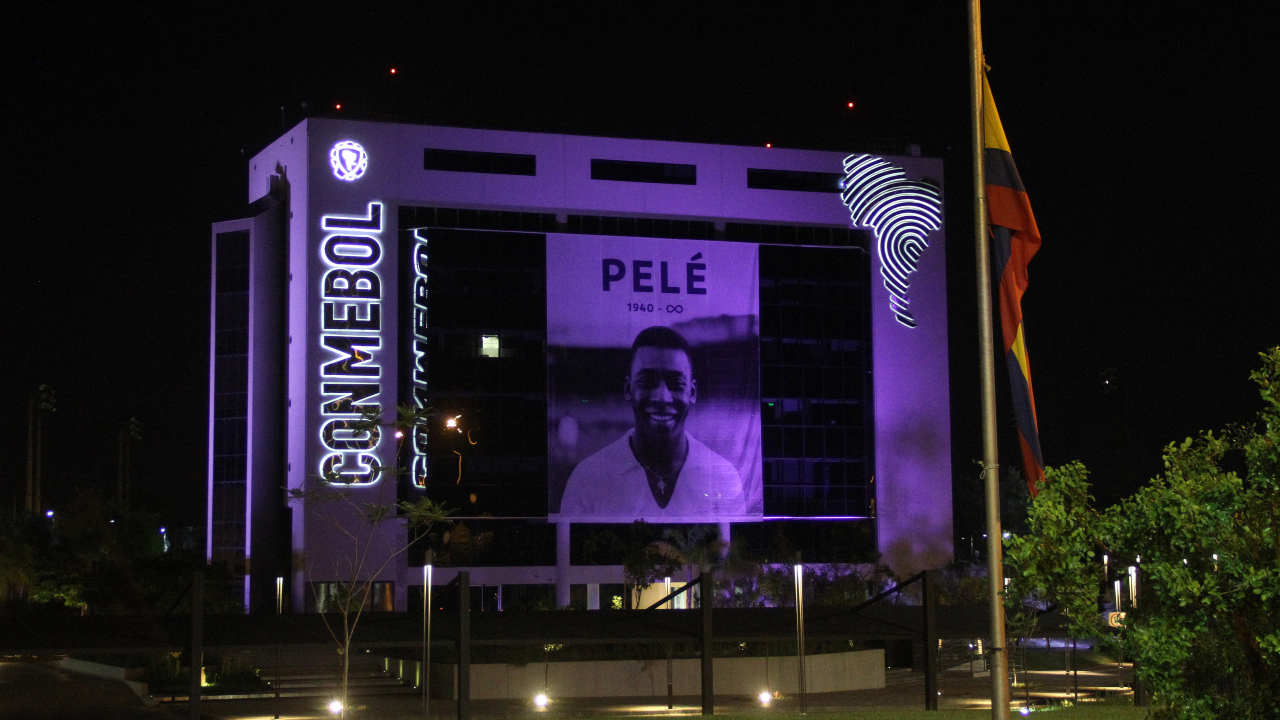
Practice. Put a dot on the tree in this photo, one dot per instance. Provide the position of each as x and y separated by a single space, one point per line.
18 569
92 562
1057 560
644 560
359 524
1205 539
692 546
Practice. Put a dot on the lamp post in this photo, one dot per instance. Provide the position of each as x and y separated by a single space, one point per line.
43 400
129 432
427 573
799 577
279 611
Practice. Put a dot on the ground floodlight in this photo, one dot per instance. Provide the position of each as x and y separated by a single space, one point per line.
335 706
541 700
765 697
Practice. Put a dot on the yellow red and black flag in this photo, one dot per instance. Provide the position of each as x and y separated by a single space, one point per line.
1014 241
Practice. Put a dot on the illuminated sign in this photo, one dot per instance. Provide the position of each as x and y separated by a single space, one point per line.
900 212
418 373
348 160
350 333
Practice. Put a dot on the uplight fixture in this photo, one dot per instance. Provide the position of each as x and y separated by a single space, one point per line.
541 700
335 706
765 697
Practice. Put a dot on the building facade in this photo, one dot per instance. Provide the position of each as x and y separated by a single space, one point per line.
518 285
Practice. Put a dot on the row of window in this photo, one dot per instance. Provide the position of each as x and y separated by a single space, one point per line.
488 365
814 472
815 351
230 395
512 221
814 443
494 163
805 411
814 359
818 500
812 382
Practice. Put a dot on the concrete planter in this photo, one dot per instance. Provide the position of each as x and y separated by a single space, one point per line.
747 676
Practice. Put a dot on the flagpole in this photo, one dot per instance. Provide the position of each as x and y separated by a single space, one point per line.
999 659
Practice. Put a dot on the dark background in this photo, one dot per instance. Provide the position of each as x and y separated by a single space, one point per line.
1143 133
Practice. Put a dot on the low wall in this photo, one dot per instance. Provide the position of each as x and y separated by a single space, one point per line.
829 672
113 672
129 676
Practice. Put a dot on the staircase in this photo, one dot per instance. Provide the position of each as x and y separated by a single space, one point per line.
318 673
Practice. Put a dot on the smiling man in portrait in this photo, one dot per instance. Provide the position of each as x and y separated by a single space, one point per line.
656 470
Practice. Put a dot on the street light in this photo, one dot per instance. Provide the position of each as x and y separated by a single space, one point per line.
43 400
428 573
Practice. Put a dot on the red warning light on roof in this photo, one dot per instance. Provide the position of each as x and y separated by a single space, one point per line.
850 106
393 71
338 106
768 145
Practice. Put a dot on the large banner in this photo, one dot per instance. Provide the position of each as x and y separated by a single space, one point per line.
654 380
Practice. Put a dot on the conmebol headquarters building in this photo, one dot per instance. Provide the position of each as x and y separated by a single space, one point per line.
608 330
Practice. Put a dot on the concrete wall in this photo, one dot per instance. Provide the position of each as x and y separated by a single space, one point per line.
831 672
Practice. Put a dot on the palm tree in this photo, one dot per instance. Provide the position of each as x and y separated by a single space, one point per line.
692 546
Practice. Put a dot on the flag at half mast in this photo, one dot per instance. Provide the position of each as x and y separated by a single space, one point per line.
1014 241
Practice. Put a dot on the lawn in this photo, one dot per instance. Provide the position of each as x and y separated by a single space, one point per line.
1080 712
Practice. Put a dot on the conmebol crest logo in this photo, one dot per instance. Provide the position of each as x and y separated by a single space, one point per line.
348 160
900 212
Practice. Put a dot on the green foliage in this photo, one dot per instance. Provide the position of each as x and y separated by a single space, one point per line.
645 561
86 563
1056 561
17 567
1205 627
696 545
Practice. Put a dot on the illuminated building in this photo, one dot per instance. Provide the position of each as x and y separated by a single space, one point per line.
384 265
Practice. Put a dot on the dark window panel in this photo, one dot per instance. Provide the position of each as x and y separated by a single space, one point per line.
479 162
646 172
794 180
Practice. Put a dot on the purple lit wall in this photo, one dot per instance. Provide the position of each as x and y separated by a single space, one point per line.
913 413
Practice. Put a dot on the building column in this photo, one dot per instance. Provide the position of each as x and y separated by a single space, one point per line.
562 564
593 596
726 537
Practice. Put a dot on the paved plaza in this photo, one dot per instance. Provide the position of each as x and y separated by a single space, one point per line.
37 690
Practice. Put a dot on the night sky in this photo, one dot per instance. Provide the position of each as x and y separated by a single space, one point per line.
1144 137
